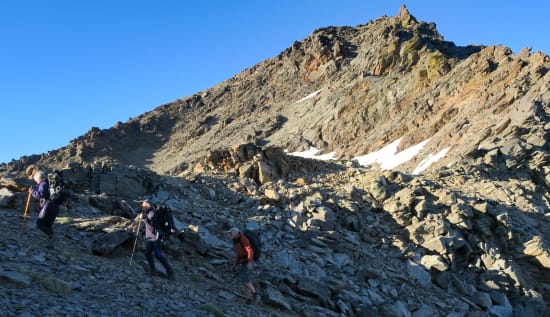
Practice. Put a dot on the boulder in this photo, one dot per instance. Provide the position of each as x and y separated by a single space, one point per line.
6 198
434 262
482 299
535 248
204 242
109 242
313 289
275 298
13 278
419 274
322 217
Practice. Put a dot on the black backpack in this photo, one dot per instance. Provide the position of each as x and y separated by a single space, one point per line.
163 221
58 193
255 243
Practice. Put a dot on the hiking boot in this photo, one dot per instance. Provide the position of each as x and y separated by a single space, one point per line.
256 298
170 275
50 244
252 298
158 273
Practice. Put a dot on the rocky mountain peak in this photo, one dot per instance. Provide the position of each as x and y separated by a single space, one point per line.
405 17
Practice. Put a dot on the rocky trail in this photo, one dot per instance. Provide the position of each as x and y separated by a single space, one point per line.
70 281
338 240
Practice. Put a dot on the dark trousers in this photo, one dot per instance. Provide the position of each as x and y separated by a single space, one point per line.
45 222
155 247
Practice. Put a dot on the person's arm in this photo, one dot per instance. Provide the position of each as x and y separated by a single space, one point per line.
42 191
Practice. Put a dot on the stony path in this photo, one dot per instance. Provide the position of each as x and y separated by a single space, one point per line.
80 284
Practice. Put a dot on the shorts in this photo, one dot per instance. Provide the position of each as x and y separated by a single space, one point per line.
245 275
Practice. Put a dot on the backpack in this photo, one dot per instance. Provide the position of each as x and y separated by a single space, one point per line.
255 243
163 221
58 193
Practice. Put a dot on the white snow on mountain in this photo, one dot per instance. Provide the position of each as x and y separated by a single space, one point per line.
429 160
313 94
387 157
314 154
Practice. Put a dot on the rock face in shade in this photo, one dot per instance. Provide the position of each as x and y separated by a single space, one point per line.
468 235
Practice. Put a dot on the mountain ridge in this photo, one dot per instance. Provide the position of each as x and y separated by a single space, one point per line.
392 67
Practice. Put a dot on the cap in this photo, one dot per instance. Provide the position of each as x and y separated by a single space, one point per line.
145 200
234 229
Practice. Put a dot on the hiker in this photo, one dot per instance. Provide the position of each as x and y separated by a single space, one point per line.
48 208
152 240
243 262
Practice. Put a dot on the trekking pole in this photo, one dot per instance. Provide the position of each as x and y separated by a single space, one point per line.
25 213
135 242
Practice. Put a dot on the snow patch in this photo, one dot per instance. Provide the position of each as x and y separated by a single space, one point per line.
388 158
430 160
313 153
313 94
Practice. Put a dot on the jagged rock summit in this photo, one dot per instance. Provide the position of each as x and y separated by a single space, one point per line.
458 228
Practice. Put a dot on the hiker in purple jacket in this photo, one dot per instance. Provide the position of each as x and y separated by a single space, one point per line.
152 242
48 209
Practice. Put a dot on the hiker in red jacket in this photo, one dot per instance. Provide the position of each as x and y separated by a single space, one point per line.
243 262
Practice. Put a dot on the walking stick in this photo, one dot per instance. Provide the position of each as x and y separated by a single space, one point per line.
135 242
25 213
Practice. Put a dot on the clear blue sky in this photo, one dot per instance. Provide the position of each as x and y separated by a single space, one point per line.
69 65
